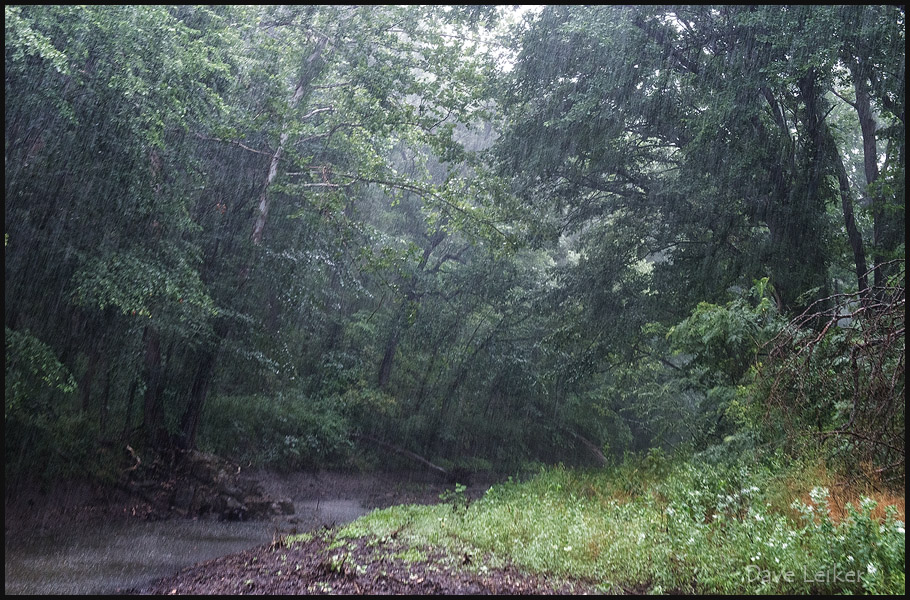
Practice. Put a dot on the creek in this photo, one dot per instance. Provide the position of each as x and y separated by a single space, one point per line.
103 558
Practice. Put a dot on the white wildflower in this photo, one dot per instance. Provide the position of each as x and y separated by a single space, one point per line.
818 494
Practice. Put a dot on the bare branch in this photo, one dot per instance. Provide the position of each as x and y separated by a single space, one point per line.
234 143
316 111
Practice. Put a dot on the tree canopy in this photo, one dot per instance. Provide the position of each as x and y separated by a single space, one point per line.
482 236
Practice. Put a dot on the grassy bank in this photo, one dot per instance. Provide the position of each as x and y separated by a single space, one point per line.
685 525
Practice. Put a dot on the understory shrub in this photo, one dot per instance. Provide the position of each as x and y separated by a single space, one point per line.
46 436
287 431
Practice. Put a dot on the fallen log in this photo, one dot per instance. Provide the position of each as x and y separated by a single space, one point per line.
407 453
591 447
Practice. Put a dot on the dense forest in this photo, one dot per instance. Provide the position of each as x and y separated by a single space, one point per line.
479 237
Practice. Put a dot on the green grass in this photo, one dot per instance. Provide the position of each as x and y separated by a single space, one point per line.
688 526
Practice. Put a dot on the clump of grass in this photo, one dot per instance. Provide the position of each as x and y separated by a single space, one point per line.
673 526
411 555
297 538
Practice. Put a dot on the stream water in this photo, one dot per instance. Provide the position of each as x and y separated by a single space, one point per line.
100 559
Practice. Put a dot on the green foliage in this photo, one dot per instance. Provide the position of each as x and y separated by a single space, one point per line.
135 145
46 438
718 346
724 340
285 432
24 40
683 525
35 379
859 542
168 295
456 498
491 264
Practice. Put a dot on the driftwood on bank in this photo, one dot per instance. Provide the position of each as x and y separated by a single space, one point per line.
399 450
591 447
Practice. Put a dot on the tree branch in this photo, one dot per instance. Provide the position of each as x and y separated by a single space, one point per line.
233 143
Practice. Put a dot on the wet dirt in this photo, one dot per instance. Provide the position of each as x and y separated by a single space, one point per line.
358 566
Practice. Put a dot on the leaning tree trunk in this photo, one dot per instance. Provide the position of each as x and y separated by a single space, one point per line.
853 234
411 295
310 70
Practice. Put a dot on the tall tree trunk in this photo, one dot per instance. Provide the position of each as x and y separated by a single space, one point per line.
863 108
206 365
85 385
448 396
422 390
411 295
806 260
309 71
853 234
189 424
388 357
104 410
153 411
128 414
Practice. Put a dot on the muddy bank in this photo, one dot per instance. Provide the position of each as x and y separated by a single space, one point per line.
77 503
319 565
362 566
80 539
207 488
375 490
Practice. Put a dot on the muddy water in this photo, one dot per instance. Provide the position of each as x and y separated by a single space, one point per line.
84 559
